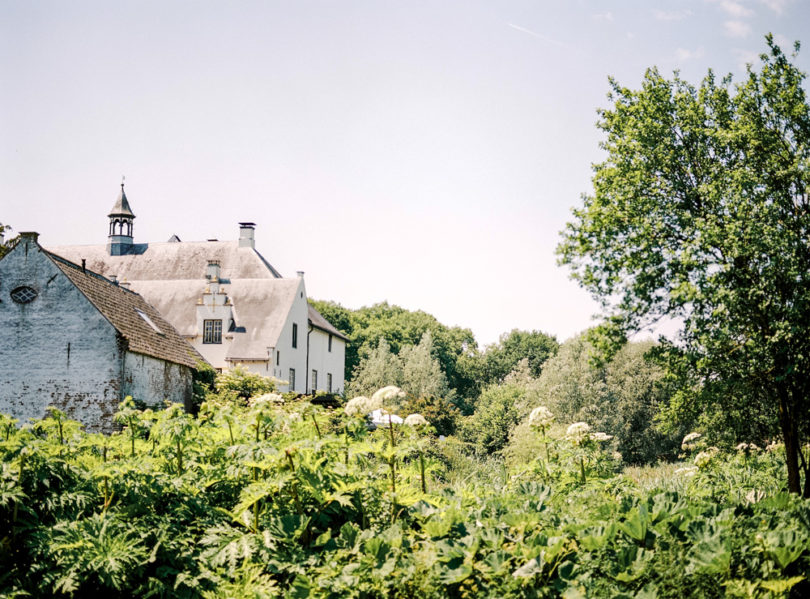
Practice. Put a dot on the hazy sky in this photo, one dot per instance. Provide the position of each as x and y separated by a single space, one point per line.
423 153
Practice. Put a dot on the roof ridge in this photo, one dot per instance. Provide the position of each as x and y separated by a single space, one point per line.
86 271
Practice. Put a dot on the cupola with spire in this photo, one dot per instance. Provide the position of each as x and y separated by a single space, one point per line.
121 217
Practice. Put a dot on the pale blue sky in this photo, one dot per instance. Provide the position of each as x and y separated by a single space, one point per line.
424 153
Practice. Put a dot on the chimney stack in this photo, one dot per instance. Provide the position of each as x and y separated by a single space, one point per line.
247 238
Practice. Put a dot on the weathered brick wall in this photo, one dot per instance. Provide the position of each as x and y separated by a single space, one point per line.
57 349
153 381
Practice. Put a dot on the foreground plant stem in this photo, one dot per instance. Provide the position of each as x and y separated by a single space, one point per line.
422 469
317 428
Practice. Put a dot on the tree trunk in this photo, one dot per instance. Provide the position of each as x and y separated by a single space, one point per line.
791 438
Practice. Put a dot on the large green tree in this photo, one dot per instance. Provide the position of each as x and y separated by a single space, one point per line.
700 212
502 358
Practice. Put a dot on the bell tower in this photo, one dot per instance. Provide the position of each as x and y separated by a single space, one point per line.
119 239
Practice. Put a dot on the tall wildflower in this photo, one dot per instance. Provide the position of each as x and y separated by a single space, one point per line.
578 433
541 419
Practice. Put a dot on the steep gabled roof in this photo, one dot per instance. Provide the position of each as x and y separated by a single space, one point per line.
130 314
260 306
172 260
317 320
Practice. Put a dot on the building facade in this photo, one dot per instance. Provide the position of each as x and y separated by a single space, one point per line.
80 343
226 300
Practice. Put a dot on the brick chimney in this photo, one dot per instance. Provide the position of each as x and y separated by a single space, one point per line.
247 237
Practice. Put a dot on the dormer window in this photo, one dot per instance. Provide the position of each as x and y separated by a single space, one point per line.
212 331
23 295
149 321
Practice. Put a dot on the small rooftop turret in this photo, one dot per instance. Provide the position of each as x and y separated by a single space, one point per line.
121 216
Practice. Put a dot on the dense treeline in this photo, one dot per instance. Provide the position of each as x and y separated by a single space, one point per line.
489 391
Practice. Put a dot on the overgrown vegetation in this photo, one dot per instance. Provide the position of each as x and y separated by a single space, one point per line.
288 499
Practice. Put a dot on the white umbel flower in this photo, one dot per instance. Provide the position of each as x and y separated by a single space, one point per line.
689 440
415 420
601 437
358 406
704 458
578 432
271 398
541 417
388 394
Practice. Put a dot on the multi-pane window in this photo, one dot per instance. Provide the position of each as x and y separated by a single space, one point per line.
23 295
328 382
330 342
295 335
212 331
314 379
292 379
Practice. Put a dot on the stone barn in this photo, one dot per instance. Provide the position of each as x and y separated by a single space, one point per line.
77 341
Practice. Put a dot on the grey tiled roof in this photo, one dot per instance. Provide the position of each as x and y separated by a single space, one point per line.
260 306
172 260
317 320
121 308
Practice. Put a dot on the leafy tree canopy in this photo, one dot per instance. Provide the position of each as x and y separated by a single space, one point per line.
503 357
700 212
5 244
400 328
621 397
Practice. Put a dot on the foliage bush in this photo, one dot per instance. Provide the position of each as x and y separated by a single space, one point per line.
289 499
622 397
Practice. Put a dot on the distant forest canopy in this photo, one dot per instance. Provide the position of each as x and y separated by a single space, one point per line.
466 367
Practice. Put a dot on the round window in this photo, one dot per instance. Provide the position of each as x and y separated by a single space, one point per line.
23 295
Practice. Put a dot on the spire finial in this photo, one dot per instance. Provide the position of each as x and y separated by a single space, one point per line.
123 178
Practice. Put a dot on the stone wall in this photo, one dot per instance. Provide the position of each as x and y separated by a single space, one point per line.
56 349
154 381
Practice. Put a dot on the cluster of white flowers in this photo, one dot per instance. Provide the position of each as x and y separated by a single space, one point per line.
747 447
267 398
541 417
601 437
705 457
774 446
360 406
755 496
689 441
687 471
388 394
415 420
578 432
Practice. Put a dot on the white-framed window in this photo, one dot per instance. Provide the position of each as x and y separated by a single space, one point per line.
328 382
295 335
314 379
212 331
292 379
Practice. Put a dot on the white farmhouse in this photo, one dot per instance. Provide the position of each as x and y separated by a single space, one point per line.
226 300
80 343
